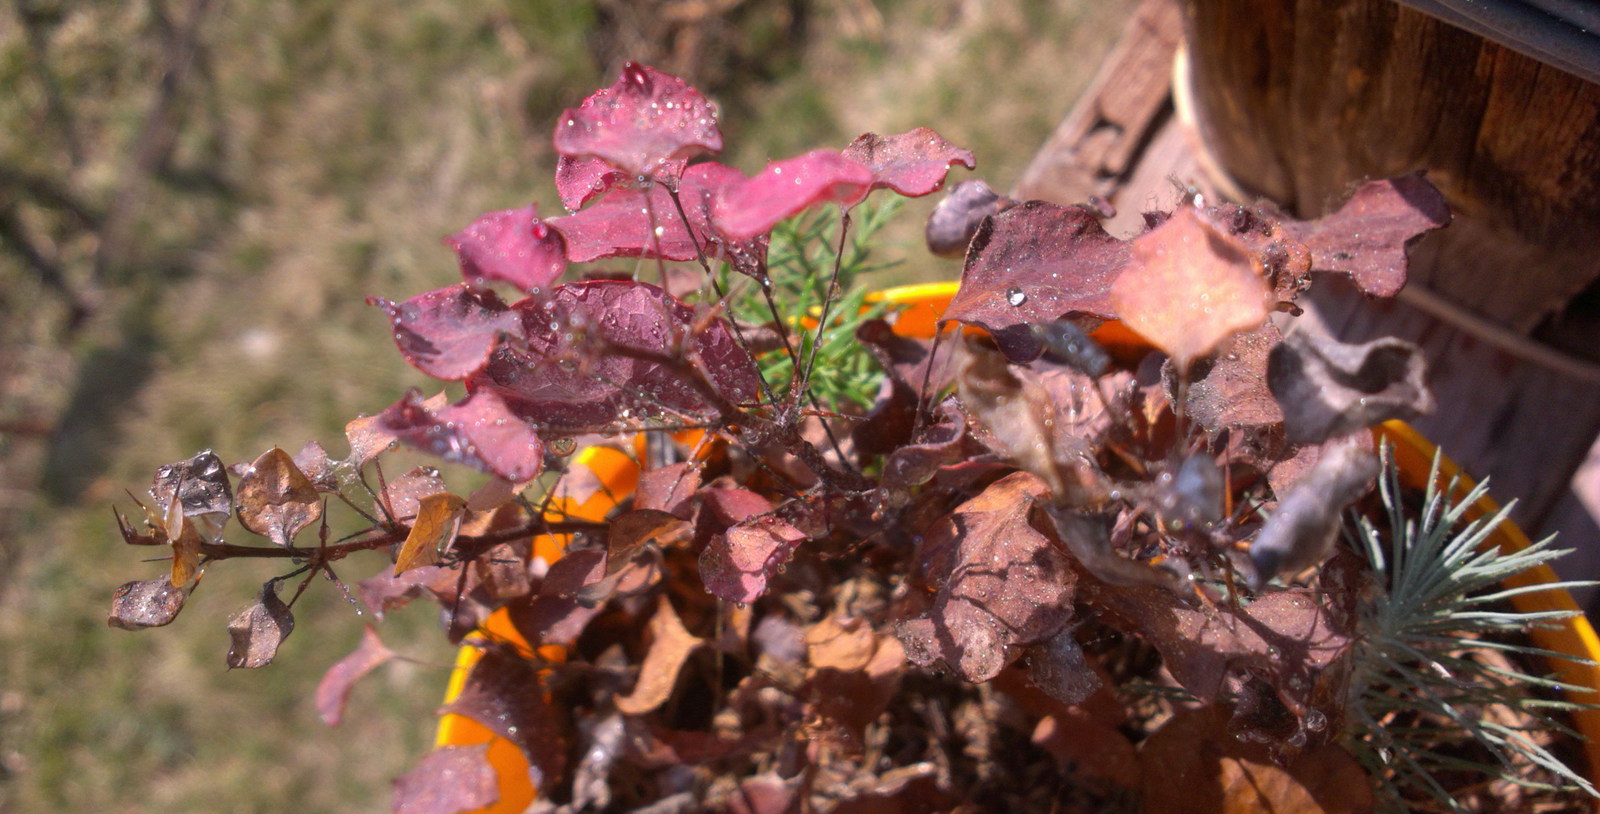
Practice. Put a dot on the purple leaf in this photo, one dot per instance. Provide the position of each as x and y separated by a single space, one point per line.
955 220
479 431
597 352
1328 388
1230 389
1368 236
449 780
334 688
368 437
448 332
736 565
913 163
146 603
512 245
504 693
1000 583
641 124
786 187
259 629
1035 263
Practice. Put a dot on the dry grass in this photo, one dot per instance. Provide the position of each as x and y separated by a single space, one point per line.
317 152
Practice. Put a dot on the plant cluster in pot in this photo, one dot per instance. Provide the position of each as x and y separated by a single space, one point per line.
1097 529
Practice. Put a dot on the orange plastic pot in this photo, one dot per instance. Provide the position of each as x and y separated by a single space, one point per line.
921 306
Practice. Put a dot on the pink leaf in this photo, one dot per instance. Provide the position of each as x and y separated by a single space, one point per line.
640 124
580 366
786 187
448 332
620 225
736 566
334 688
580 180
912 163
1032 264
646 223
512 245
478 431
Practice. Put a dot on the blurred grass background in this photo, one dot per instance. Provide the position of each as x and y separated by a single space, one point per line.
195 196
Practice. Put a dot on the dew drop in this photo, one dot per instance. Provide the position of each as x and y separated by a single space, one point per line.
562 445
1016 296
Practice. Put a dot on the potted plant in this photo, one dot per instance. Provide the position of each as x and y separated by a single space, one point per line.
808 560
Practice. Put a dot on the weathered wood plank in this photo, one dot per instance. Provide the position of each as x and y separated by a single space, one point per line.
1299 99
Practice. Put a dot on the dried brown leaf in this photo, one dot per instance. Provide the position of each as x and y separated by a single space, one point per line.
259 629
432 533
1368 236
146 603
1193 764
275 499
632 531
1329 388
670 646
840 643
1000 583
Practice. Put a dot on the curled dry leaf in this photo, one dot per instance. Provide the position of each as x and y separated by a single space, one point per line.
448 332
913 163
1034 263
432 533
511 245
1328 388
146 603
940 444
200 485
786 188
671 644
276 500
1190 285
449 780
1286 637
737 564
955 220
334 688
1000 583
1301 531
258 630
644 124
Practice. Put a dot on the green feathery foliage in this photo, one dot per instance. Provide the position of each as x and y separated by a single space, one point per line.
1423 700
800 262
